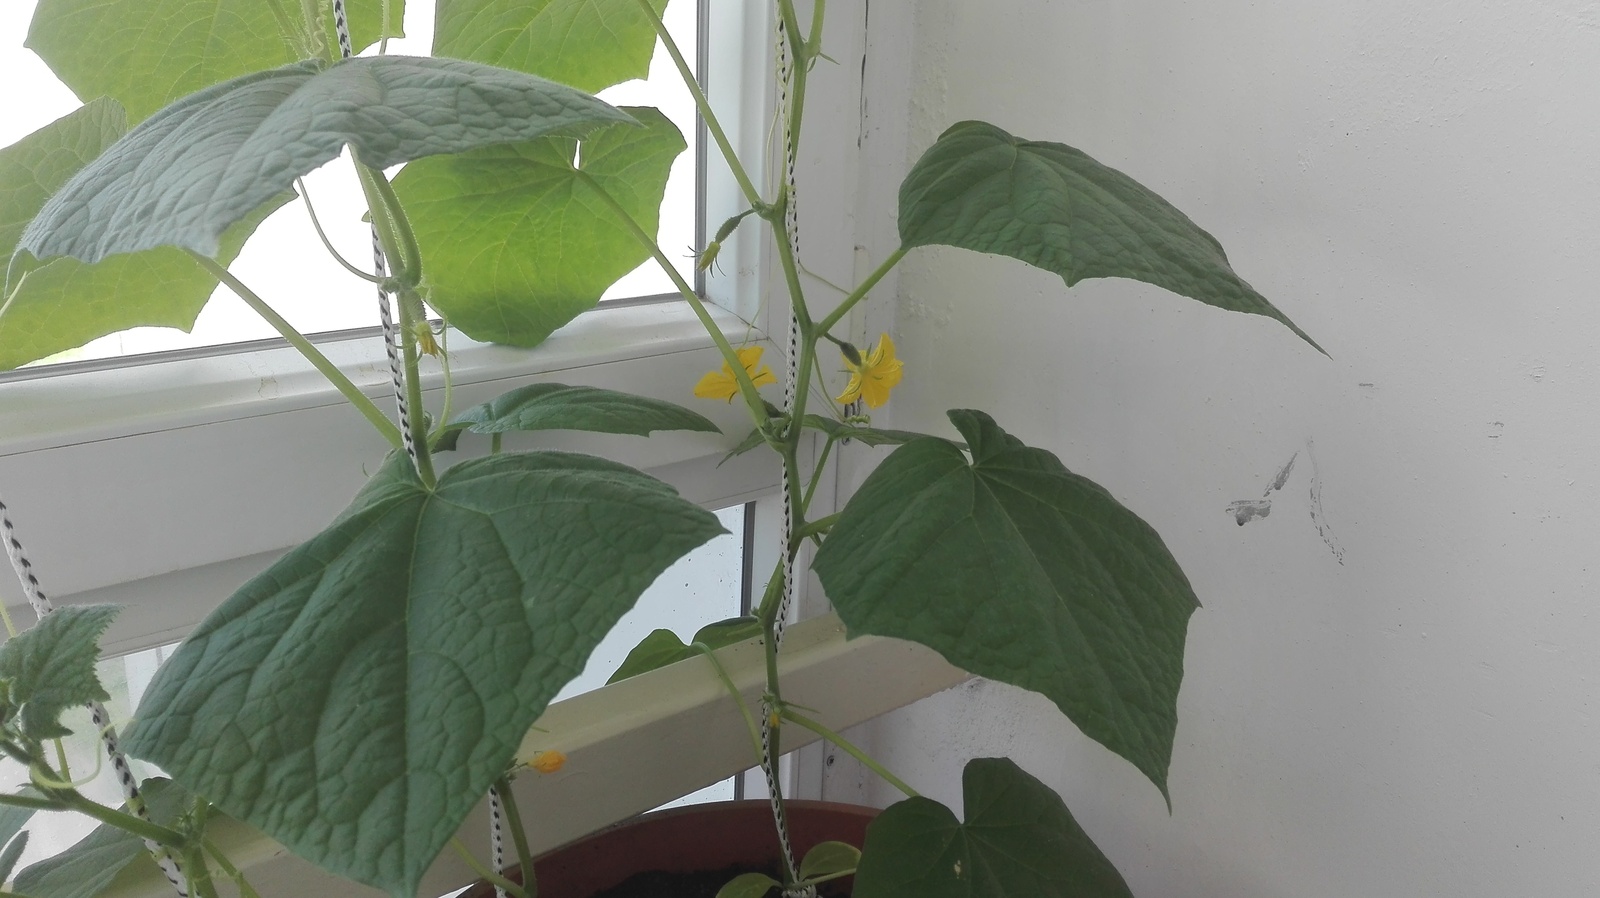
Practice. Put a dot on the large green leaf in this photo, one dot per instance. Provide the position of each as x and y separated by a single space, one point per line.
1018 841
189 172
562 407
36 166
85 869
517 244
1053 206
147 53
355 700
65 303
589 44
1014 568
50 667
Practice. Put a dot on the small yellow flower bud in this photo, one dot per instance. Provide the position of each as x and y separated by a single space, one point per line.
426 344
548 761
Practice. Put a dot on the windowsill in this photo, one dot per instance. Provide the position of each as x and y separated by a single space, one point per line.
99 402
162 486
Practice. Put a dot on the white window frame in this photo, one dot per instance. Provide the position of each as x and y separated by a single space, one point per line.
187 474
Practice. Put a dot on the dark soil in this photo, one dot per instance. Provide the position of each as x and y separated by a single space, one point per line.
659 884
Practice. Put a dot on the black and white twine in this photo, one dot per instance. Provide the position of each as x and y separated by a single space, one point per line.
97 712
791 387
497 841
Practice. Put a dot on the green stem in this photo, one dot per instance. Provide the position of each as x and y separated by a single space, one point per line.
409 305
751 194
851 750
832 318
194 857
519 837
819 880
29 802
305 197
229 870
747 389
329 370
727 682
484 872
144 829
813 528
66 768
316 37
816 474
399 241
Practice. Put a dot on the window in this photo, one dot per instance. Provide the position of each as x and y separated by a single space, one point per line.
315 294
163 485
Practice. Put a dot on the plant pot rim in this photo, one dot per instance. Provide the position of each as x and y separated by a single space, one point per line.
710 836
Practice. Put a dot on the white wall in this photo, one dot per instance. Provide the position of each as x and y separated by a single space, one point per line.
1417 184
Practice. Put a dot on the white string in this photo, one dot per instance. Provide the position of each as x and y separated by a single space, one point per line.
497 842
97 712
769 764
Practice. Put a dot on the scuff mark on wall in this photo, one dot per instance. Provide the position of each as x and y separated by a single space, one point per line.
1246 510
1317 516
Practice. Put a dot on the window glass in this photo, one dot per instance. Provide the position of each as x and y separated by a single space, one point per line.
314 293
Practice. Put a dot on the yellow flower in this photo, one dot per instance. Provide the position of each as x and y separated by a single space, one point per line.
874 377
723 385
548 761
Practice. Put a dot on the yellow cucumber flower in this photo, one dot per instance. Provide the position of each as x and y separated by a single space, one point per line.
723 385
548 761
874 377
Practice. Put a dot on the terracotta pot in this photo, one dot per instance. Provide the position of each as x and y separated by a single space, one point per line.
688 839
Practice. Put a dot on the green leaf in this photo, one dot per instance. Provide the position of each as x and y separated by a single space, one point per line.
517 243
751 440
727 632
589 44
1019 841
1054 207
147 53
1017 569
65 303
51 666
189 172
13 818
356 699
829 858
560 407
36 166
663 647
13 852
658 649
749 885
85 869
867 436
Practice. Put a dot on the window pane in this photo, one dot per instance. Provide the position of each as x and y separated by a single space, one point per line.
314 293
